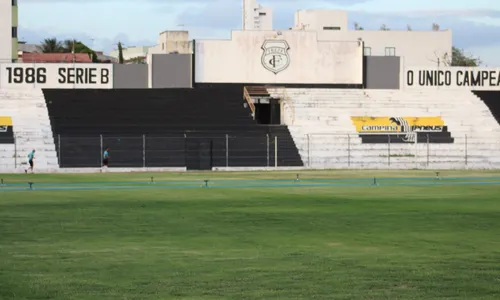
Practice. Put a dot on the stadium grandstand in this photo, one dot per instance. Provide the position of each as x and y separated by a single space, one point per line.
316 95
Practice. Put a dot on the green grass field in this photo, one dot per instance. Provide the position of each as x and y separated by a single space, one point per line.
291 242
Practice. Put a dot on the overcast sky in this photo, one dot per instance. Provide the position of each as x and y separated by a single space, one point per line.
101 23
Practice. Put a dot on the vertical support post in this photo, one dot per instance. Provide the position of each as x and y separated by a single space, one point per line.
227 151
100 154
466 146
185 150
309 150
348 150
59 149
416 150
428 150
275 151
267 145
388 150
144 151
15 151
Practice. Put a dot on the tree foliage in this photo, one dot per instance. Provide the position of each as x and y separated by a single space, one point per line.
120 53
138 60
52 45
461 59
458 56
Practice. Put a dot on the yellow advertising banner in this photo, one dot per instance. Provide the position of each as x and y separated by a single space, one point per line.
402 129
5 121
398 124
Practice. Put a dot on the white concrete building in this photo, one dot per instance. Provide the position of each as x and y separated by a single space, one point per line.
256 17
8 31
416 48
172 42
131 52
321 20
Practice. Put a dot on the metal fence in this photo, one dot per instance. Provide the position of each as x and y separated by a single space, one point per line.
412 150
150 151
316 151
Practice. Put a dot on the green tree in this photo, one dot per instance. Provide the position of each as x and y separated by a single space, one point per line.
120 53
458 56
79 47
461 59
51 45
138 60
68 46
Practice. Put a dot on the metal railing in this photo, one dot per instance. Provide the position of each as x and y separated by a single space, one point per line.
316 151
142 151
397 151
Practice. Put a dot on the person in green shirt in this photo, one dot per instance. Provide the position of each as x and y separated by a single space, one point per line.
31 157
105 158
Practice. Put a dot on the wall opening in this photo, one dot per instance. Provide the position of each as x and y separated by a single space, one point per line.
267 111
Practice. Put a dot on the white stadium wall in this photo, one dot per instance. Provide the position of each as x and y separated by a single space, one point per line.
416 48
292 57
451 78
59 76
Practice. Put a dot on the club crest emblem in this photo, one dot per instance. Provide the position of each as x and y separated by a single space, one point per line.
275 57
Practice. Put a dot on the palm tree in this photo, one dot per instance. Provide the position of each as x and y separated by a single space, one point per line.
51 45
68 46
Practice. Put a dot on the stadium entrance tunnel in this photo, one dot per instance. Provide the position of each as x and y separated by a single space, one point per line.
268 111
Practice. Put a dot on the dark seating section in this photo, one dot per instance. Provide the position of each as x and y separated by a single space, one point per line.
164 128
6 134
492 100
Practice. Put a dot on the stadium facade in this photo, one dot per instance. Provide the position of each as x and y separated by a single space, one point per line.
316 95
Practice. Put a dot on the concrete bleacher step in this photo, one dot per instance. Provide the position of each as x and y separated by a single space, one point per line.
323 132
32 127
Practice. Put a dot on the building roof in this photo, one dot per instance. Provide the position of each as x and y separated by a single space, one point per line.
54 58
30 48
103 57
